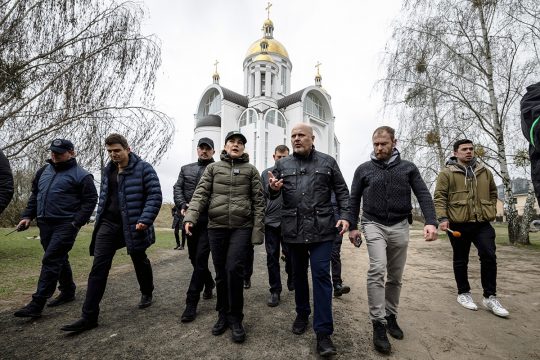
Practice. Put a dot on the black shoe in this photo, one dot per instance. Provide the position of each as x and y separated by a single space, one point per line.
146 301
247 283
238 334
80 325
380 340
393 328
177 247
61 300
300 325
31 310
340 289
325 346
290 284
189 314
220 326
207 293
273 299
180 247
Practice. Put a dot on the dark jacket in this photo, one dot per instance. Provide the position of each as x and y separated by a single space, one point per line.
307 215
188 179
385 191
231 191
6 182
139 197
465 194
62 192
530 125
272 215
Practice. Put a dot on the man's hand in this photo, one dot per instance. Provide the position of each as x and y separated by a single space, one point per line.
187 228
353 234
443 226
274 183
183 212
141 227
344 224
23 224
430 233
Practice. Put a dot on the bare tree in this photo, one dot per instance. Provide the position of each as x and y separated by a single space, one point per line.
475 61
78 69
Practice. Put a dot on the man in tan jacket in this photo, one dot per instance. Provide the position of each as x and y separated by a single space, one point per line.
465 200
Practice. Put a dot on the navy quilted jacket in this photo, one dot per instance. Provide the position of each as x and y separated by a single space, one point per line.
139 196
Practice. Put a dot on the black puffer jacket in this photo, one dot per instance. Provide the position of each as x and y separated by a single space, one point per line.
307 215
6 182
188 179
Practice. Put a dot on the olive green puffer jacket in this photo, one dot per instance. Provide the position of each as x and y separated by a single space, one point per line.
232 191
460 198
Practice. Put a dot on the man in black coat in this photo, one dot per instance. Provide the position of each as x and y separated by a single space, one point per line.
530 125
129 202
197 242
306 181
63 198
273 238
6 182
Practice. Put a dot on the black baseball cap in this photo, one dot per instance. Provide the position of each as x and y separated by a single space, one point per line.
232 134
206 141
60 146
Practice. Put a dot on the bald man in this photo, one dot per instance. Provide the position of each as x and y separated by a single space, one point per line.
306 180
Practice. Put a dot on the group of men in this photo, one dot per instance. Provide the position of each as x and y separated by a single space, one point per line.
308 210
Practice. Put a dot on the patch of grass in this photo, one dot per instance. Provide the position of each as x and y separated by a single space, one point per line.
21 254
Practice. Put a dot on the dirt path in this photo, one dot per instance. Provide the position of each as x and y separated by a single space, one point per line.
435 326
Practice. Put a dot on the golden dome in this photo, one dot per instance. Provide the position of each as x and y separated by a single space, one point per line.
268 22
263 57
274 46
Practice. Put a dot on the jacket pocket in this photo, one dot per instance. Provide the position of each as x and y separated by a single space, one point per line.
325 221
489 211
289 179
289 223
458 211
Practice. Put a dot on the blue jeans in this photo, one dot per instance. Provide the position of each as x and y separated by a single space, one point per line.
318 255
57 239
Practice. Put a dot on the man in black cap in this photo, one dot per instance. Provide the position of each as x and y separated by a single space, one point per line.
63 198
198 246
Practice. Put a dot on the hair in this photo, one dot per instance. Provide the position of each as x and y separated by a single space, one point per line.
461 142
282 149
387 129
116 139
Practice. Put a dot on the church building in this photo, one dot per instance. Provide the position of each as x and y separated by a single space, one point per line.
267 110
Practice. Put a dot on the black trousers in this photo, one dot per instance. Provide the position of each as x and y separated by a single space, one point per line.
57 239
482 235
199 252
177 235
248 266
272 242
110 238
336 260
230 248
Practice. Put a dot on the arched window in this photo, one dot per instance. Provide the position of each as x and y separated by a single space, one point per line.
249 116
314 107
275 117
212 104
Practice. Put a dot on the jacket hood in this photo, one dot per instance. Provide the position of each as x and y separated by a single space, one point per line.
394 159
225 157
64 165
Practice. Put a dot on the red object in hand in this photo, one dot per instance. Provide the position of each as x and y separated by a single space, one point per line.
455 234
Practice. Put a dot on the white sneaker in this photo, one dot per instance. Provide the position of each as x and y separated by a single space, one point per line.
495 306
467 301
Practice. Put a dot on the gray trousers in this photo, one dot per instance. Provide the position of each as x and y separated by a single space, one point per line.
387 249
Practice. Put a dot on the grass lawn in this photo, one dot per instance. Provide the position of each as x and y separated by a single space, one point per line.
21 253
